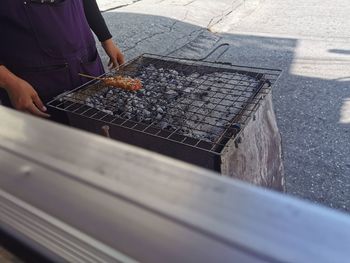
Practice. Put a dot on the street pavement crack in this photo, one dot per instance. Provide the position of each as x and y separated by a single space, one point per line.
121 6
170 29
189 3
235 4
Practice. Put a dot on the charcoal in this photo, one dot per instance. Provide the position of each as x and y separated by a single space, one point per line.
171 94
160 110
159 117
146 113
108 112
163 125
175 101
189 90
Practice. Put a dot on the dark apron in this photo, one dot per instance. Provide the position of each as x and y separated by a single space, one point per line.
47 44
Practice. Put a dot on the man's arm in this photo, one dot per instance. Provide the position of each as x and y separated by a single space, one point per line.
96 20
22 95
98 25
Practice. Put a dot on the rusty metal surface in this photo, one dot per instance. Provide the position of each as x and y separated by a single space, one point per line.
257 156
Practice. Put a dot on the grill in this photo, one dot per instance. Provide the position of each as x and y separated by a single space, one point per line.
187 109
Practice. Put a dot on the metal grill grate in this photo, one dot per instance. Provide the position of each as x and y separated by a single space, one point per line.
197 103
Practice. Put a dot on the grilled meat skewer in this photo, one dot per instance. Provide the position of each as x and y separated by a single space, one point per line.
123 82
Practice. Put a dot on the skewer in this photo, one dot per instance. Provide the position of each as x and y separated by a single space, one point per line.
91 77
125 83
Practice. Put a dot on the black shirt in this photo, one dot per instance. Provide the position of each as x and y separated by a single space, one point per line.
96 20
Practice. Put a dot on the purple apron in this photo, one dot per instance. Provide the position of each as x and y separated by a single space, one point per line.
47 44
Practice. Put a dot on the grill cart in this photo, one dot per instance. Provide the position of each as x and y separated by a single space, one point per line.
215 115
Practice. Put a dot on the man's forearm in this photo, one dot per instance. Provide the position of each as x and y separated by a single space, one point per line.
7 78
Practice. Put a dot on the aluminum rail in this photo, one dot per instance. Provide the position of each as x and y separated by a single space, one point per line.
76 197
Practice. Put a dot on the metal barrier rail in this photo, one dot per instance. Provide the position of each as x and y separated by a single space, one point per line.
72 196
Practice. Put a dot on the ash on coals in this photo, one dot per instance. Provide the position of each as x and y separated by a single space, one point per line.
173 100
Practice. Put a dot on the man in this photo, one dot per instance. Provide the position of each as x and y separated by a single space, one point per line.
44 45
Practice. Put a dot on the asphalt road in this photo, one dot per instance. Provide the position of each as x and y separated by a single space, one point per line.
308 40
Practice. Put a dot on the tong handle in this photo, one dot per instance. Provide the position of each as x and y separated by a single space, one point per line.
227 45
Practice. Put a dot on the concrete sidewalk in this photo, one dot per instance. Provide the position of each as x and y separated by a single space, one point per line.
162 27
205 13
308 40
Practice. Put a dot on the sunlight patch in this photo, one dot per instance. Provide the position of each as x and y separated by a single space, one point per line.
345 112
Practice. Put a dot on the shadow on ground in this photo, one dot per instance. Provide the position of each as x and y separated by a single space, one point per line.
313 113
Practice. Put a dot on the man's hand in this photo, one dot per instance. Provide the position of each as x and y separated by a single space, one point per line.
116 57
22 95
